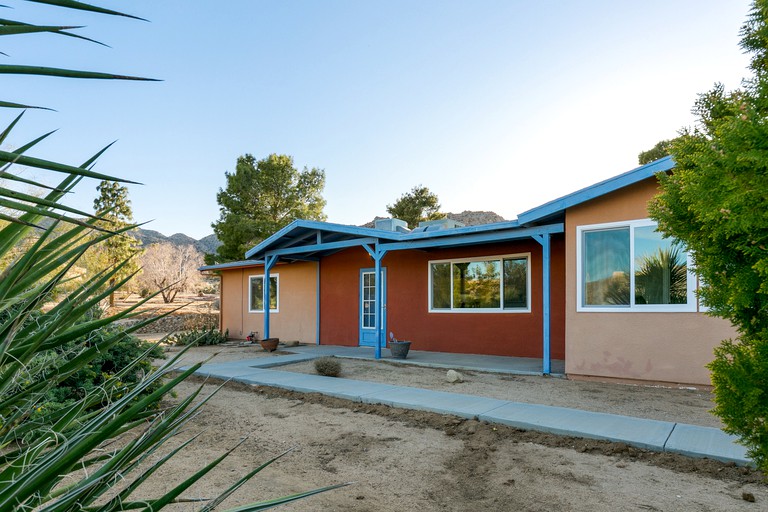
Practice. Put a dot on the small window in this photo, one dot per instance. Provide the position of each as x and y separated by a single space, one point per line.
631 267
256 293
491 284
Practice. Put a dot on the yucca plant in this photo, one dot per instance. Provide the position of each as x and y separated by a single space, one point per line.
71 458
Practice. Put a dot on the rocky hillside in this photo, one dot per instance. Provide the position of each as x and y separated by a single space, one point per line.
207 244
468 218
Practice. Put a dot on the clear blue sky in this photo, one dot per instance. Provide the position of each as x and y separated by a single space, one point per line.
493 105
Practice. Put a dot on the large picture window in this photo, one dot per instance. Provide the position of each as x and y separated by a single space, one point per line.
491 284
256 293
630 266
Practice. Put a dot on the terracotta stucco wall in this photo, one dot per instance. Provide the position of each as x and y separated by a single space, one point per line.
408 316
659 347
296 318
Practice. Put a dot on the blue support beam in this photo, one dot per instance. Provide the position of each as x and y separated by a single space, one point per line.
377 254
269 262
544 240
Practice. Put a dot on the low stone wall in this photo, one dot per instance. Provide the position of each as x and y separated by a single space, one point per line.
179 322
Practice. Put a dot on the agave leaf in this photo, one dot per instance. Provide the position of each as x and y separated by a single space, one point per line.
8 218
17 69
20 28
72 4
41 201
41 474
12 177
10 127
61 30
264 505
57 167
10 104
28 145
119 500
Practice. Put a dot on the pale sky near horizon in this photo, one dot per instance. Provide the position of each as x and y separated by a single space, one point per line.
493 105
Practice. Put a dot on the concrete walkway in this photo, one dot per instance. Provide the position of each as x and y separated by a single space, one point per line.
662 436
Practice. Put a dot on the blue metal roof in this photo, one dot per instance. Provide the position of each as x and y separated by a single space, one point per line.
304 240
552 209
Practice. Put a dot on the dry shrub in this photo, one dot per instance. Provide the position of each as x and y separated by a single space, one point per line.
328 366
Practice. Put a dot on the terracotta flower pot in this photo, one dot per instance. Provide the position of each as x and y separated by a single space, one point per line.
269 344
399 349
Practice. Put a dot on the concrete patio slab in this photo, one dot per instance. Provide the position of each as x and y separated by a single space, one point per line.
347 389
498 364
639 432
713 443
466 406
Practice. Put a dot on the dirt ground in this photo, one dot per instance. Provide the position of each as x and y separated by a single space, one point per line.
407 460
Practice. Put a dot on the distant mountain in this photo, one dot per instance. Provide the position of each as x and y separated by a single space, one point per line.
210 243
468 218
206 244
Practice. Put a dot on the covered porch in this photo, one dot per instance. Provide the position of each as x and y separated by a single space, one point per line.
446 360
304 241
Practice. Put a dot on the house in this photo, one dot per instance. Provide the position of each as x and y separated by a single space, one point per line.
583 279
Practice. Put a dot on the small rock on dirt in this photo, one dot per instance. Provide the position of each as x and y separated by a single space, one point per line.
453 376
748 496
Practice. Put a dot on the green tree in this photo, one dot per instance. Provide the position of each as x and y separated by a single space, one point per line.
716 202
261 197
113 208
660 150
415 206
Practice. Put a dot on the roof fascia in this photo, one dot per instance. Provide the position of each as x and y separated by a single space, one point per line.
232 264
598 189
476 238
320 226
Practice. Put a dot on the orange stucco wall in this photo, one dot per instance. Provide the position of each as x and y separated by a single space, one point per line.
408 316
659 347
296 319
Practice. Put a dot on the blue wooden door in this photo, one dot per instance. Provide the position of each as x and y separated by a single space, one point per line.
368 305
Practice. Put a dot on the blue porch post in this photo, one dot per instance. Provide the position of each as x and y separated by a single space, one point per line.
544 240
377 255
269 262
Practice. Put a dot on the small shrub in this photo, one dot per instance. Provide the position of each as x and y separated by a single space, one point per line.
328 366
200 336
740 378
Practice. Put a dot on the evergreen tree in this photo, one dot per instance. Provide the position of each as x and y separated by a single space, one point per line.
415 206
262 197
716 202
114 208
660 150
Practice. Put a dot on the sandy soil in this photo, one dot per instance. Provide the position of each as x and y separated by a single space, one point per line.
408 460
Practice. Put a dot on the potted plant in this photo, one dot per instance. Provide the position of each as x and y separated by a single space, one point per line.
399 349
269 344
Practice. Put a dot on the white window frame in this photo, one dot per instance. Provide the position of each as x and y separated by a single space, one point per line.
500 309
690 306
265 300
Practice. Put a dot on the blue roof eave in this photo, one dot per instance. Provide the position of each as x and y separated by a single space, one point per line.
319 226
231 264
598 189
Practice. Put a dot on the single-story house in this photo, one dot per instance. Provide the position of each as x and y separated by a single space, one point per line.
584 278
